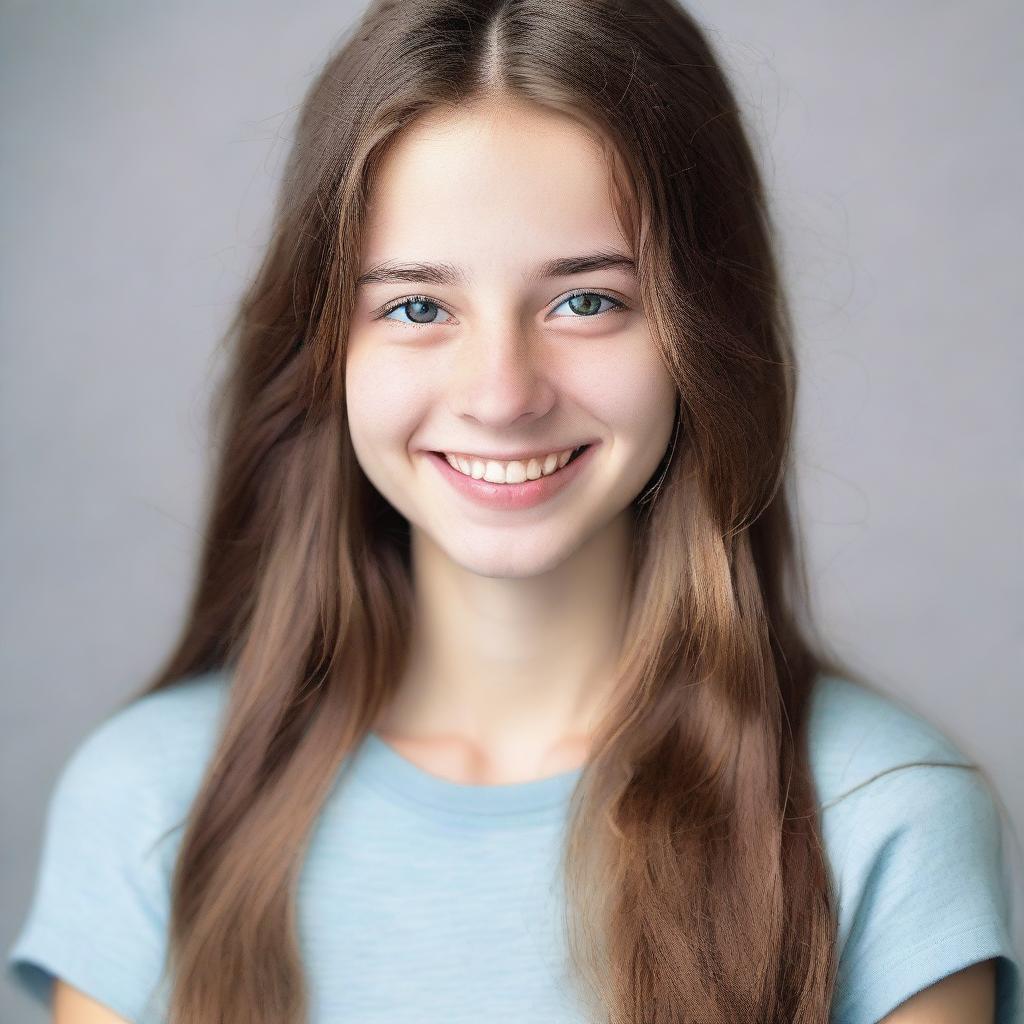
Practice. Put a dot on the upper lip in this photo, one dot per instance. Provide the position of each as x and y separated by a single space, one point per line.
534 453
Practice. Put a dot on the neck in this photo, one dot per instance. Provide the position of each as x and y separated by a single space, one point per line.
515 671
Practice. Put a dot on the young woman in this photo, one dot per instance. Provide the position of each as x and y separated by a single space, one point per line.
493 702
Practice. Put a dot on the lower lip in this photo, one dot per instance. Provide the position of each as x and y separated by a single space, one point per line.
510 497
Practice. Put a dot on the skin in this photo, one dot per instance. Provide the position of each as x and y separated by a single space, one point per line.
518 613
965 997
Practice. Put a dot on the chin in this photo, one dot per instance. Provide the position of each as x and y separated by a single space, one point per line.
496 558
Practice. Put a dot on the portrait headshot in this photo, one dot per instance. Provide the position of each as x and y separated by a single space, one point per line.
512 513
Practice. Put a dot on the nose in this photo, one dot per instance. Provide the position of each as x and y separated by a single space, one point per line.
501 379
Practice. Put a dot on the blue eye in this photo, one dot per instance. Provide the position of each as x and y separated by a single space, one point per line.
589 308
419 306
422 306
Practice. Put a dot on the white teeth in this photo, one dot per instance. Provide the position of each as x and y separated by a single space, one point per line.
509 472
495 472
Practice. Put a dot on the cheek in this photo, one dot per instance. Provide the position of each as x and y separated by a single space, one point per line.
383 400
628 388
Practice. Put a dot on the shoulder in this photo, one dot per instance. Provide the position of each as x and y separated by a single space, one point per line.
183 712
145 759
914 840
856 734
99 912
896 791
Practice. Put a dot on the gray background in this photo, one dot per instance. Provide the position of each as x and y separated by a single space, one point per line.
141 144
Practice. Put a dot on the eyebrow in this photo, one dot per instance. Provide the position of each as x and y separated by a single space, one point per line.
448 274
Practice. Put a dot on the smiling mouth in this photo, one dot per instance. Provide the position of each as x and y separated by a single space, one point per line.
572 458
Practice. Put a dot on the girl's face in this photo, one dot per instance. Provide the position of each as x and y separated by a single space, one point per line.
492 353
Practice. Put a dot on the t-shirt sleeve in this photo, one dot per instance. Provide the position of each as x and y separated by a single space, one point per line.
924 890
99 908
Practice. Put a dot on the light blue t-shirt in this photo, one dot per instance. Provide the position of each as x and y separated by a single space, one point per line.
425 900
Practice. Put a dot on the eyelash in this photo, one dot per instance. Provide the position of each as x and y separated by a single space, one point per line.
619 305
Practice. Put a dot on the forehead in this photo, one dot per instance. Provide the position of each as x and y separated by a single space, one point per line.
491 187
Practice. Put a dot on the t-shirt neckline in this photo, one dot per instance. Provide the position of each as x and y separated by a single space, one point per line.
379 763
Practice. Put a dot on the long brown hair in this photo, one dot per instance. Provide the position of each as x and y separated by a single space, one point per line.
696 880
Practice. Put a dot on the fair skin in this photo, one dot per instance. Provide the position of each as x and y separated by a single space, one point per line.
965 997
519 614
